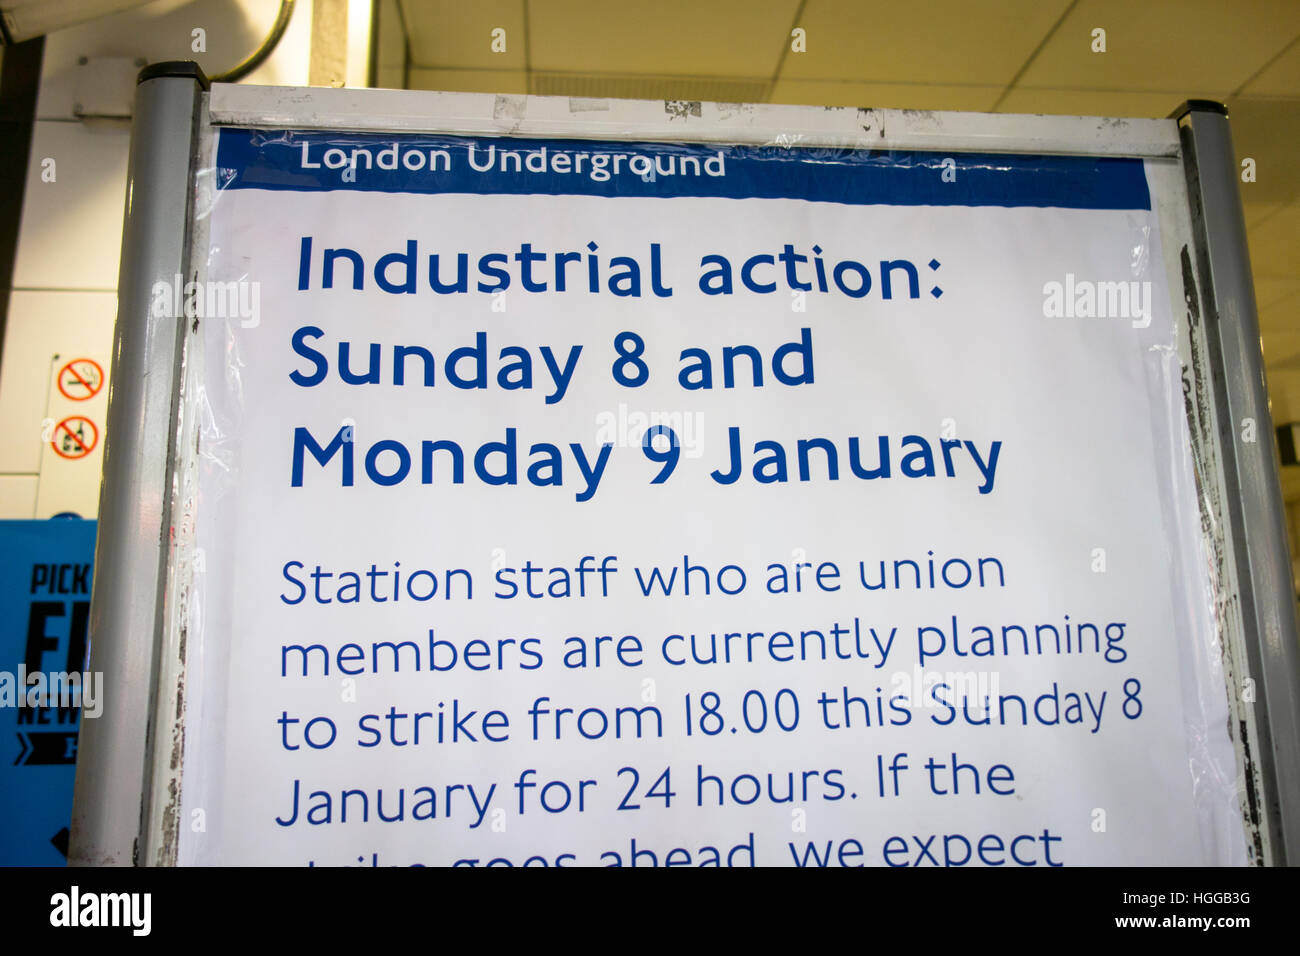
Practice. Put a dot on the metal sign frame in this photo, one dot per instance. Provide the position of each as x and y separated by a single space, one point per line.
127 798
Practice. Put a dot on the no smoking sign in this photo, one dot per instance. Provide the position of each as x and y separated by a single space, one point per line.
80 379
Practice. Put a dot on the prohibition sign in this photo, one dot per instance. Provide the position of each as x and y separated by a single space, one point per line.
80 379
74 437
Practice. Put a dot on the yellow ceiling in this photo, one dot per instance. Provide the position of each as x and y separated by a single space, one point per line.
1019 56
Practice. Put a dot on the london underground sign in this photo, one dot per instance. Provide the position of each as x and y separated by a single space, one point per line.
627 502
894 604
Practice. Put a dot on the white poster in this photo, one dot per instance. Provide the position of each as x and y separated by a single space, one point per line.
600 504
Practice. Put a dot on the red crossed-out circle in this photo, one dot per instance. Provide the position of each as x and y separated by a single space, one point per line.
80 379
81 447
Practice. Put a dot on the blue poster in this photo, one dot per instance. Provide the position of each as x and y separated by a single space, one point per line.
45 569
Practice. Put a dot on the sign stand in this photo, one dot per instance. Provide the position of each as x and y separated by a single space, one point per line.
126 808
113 792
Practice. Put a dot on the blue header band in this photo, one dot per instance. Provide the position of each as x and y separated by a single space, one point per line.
401 163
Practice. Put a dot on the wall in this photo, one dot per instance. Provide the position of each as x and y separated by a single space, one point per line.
63 296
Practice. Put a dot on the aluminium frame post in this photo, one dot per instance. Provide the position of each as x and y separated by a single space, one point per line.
1254 499
112 791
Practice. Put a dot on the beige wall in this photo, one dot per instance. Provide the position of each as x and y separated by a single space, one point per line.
65 275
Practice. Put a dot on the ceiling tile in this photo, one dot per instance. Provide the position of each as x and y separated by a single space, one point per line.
911 96
1255 212
1168 45
1267 130
1097 102
1280 318
1269 292
943 41
716 89
469 81
720 38
454 35
390 45
1275 245
1279 78
1281 348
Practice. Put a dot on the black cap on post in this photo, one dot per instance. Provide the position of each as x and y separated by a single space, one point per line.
178 68
1199 106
